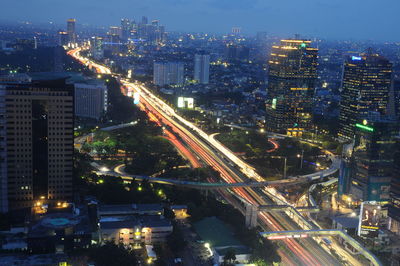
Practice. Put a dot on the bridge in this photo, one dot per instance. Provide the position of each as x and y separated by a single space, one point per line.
199 185
323 232
287 207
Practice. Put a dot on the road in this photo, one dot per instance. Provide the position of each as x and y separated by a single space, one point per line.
232 170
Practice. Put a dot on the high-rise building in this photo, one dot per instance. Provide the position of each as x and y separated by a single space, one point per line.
63 38
145 20
36 141
125 29
394 206
365 87
291 84
372 158
71 30
168 73
97 47
202 68
91 99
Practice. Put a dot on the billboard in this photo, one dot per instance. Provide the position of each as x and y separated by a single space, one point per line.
185 102
370 216
136 97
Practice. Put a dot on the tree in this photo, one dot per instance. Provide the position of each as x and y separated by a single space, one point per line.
230 256
176 240
111 254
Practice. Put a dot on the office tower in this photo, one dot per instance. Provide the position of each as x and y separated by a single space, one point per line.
114 30
365 87
291 84
58 59
145 20
96 47
394 206
36 141
372 159
71 30
202 68
125 29
63 38
395 98
168 73
91 99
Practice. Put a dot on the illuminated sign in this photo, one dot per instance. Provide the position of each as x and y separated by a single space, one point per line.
184 102
136 97
370 215
367 128
273 103
356 58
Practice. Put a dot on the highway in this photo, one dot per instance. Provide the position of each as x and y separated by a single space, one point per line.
232 170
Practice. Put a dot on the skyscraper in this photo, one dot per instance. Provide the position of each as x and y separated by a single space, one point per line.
63 38
125 29
365 87
394 207
372 159
291 84
202 68
36 141
71 30
168 73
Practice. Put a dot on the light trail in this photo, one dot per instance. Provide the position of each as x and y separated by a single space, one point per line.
166 115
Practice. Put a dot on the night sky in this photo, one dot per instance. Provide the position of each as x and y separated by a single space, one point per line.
341 19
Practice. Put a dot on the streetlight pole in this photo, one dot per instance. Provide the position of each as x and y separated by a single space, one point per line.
284 168
302 156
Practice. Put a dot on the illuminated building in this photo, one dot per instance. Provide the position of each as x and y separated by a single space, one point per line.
372 159
365 87
71 30
36 141
63 38
125 29
97 47
291 84
168 73
394 207
202 68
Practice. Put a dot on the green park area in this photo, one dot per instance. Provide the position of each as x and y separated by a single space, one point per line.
269 157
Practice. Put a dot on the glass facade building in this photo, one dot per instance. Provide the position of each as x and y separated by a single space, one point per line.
365 87
291 84
372 159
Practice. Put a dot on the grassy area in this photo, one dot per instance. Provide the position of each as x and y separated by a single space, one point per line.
255 149
215 232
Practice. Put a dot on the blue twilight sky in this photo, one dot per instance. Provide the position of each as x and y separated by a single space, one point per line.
342 19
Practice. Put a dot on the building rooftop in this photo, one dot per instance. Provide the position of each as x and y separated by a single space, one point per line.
347 220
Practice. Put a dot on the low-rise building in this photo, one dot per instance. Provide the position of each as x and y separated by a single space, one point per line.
135 230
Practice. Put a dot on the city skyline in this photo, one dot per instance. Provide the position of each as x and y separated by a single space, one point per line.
340 20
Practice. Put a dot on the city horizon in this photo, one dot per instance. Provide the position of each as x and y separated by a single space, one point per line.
342 21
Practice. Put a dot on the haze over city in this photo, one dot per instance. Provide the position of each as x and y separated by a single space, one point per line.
340 19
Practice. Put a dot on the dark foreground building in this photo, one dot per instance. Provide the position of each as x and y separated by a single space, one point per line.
36 141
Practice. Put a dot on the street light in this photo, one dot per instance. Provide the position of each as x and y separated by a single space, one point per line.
301 160
285 164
